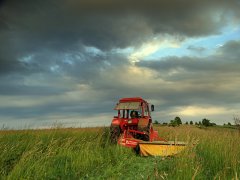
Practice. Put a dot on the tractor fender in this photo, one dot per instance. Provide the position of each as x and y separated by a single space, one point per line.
116 122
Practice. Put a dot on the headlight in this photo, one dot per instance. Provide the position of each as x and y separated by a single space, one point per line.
129 121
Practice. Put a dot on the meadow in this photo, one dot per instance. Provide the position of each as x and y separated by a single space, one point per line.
86 153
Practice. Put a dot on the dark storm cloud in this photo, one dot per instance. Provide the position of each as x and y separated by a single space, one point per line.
231 50
3 25
34 26
109 24
19 89
57 107
8 56
45 71
180 17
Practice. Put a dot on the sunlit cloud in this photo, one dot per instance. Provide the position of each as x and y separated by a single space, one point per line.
153 46
202 111
144 51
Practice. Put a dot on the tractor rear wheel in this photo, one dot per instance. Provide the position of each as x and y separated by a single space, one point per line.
114 134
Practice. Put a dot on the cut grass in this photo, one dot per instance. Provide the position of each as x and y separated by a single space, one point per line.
87 153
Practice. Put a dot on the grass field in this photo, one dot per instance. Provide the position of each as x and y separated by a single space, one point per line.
86 153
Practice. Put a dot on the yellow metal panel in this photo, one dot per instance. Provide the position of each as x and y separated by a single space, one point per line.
159 150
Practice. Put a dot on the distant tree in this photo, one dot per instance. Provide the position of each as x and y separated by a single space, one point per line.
229 124
224 124
191 122
206 122
196 123
186 123
156 122
178 120
164 123
200 123
173 123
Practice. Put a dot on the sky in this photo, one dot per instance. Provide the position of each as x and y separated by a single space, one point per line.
67 62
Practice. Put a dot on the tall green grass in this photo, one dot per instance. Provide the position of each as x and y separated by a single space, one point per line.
88 154
213 153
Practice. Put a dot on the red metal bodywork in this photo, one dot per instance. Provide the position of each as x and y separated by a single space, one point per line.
137 129
128 140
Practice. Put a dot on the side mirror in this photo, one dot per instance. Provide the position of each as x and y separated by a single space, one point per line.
152 107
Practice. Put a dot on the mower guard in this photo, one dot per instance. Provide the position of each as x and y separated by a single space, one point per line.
160 148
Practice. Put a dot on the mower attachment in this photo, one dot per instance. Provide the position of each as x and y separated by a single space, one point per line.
160 148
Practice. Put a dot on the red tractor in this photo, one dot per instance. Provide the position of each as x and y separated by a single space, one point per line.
132 127
134 118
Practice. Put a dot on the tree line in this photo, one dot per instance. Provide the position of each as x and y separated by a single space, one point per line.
177 122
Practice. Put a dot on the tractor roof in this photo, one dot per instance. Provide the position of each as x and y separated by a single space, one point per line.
129 103
132 99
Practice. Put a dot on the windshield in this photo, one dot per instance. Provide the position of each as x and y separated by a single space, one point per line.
129 113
